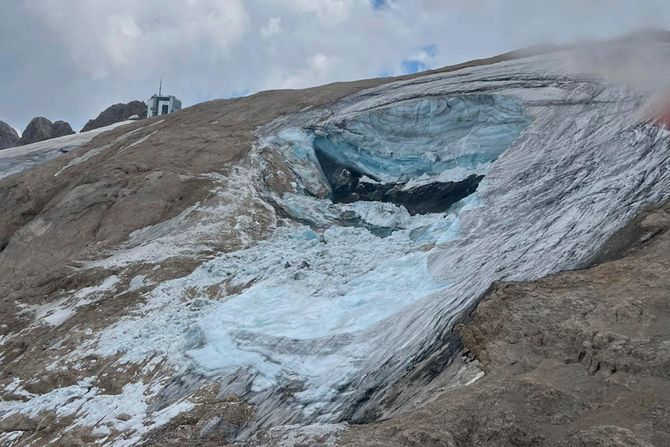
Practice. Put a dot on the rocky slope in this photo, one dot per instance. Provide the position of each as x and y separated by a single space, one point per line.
8 136
116 113
41 129
215 274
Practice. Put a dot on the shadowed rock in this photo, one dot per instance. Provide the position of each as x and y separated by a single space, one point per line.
60 129
8 136
435 197
40 129
117 113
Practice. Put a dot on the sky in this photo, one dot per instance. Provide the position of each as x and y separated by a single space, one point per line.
70 59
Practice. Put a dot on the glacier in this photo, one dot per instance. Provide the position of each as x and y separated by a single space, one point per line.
315 292
424 136
345 297
335 313
18 159
555 149
364 307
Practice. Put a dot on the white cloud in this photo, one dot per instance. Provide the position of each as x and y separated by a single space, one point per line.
328 11
273 27
111 37
317 71
69 59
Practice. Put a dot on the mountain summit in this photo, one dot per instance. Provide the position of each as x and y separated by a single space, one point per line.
8 136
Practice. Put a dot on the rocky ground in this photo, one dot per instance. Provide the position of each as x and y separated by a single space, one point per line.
580 358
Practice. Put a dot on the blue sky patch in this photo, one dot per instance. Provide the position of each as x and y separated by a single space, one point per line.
379 4
409 67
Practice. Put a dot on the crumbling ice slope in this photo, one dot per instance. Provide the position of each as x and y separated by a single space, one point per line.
198 282
575 359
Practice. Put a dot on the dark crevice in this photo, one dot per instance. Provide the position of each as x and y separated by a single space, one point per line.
436 197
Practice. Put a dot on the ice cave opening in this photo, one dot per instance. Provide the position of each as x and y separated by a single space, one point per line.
424 154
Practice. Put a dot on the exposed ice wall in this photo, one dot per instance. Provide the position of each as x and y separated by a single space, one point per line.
425 136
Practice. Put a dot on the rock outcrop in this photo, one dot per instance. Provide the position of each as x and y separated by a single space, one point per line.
117 113
40 129
8 136
60 129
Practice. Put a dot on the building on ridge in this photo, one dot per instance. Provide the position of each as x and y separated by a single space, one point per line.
162 105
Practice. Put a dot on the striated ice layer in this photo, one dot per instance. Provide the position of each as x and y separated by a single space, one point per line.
425 136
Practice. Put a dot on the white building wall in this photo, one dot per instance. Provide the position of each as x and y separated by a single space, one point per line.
157 104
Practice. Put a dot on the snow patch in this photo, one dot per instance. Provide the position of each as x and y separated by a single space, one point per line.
125 412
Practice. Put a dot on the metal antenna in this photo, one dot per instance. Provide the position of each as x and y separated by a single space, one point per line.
160 87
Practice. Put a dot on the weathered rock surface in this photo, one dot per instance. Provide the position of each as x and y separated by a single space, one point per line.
580 358
60 129
117 113
8 136
41 129
38 129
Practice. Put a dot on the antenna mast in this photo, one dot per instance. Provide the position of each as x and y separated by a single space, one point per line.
160 87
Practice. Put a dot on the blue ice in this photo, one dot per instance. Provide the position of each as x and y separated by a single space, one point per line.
425 136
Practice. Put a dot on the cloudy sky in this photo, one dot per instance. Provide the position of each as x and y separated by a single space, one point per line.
69 59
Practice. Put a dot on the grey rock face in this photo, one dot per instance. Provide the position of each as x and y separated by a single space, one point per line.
40 129
116 113
60 129
8 136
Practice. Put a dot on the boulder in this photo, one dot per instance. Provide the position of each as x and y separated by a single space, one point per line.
8 136
117 113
